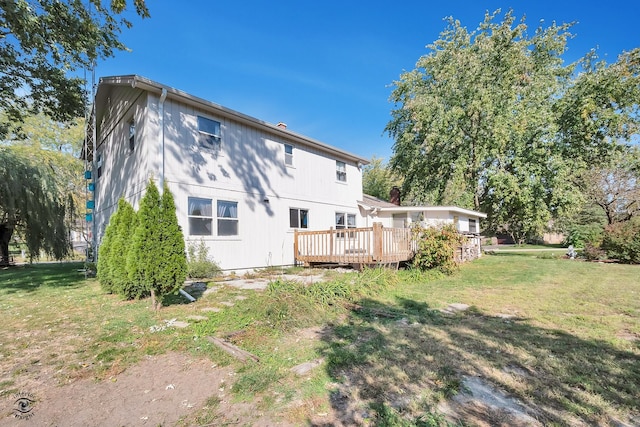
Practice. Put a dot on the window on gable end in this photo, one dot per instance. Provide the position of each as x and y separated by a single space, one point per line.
132 135
341 171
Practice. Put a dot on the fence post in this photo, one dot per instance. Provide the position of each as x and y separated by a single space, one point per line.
377 241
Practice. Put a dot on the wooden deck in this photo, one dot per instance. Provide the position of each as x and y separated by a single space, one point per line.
375 245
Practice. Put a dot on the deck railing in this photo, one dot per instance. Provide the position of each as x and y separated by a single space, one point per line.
370 245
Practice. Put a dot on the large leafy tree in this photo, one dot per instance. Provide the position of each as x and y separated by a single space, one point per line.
479 122
51 148
31 205
42 42
614 187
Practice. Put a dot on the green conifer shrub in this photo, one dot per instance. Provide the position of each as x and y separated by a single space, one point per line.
145 255
104 273
122 242
173 268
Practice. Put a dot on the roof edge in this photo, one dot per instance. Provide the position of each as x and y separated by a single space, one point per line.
149 85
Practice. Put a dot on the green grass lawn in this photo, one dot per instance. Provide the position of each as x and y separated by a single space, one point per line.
561 336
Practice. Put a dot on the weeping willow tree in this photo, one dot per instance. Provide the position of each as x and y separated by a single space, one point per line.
31 206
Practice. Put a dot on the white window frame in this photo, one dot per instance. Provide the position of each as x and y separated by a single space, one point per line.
206 137
200 216
341 171
299 223
288 157
222 217
347 224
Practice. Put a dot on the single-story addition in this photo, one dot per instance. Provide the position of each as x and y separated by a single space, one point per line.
390 214
242 186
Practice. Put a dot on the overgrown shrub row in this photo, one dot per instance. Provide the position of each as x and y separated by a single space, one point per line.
619 241
143 254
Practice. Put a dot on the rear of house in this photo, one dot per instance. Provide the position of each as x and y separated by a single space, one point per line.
240 185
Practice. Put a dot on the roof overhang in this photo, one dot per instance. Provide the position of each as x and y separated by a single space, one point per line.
150 86
407 209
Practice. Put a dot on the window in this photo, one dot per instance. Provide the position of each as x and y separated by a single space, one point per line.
288 154
345 220
341 171
472 226
132 135
209 131
200 217
227 218
298 218
99 162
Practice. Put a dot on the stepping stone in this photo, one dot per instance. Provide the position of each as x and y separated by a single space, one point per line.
197 318
178 324
455 307
305 368
212 309
227 303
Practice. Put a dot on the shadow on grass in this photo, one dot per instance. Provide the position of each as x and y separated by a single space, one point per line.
408 357
29 277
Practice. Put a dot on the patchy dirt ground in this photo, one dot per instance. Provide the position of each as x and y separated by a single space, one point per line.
160 390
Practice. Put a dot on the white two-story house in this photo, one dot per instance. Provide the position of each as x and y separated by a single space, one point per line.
240 185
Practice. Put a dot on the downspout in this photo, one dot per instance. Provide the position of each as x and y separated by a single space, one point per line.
163 96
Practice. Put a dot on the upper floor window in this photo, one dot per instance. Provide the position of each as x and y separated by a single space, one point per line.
341 171
209 132
227 218
473 228
200 216
132 135
288 154
99 164
298 218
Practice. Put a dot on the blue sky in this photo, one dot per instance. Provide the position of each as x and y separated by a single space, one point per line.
326 68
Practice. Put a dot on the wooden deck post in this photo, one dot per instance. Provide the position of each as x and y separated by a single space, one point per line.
330 242
377 241
295 246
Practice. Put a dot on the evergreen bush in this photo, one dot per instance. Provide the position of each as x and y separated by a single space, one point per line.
104 273
120 250
156 263
145 256
173 266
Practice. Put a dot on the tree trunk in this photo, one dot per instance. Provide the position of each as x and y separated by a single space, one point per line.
153 299
156 302
5 237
